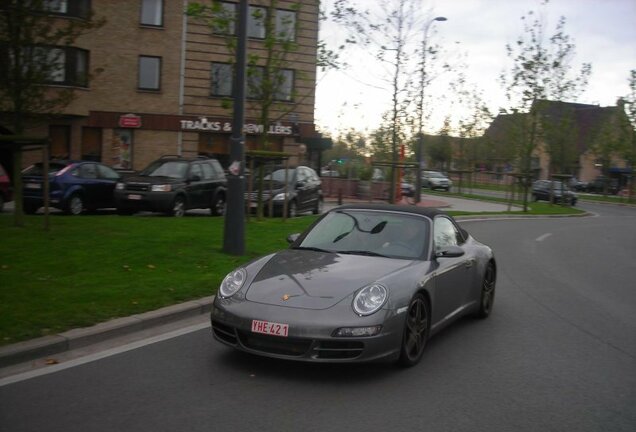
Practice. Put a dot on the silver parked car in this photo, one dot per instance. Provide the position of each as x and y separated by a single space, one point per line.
436 180
365 282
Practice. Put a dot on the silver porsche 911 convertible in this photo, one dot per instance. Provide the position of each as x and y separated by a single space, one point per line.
363 283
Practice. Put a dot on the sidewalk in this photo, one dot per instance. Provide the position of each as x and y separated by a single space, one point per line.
77 338
435 201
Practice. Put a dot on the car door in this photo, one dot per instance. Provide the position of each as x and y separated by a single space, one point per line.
211 183
89 181
196 187
453 276
108 178
301 187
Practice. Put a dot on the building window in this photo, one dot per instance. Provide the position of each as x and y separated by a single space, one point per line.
149 73
221 79
285 85
152 12
256 22
285 24
224 18
61 65
60 137
282 84
73 8
122 148
92 144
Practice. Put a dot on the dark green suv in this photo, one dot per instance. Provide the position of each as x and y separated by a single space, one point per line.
172 185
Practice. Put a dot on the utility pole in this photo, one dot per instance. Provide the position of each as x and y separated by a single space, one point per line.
419 150
234 234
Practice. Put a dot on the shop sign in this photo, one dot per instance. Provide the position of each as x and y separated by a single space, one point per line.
205 125
129 121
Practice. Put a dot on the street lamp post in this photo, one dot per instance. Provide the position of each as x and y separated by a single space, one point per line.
419 150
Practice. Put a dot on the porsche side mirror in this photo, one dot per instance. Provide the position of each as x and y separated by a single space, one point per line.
292 238
449 252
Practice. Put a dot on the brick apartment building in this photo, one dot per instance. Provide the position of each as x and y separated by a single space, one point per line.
159 84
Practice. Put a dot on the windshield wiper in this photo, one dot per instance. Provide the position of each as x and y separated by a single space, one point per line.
363 252
312 248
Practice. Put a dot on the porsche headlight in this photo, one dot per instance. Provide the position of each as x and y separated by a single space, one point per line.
369 299
280 197
161 188
232 283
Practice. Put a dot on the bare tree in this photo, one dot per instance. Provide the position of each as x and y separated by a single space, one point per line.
630 110
541 70
34 51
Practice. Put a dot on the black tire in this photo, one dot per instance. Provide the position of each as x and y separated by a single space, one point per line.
75 205
292 209
30 208
416 331
319 207
178 207
1 203
487 299
218 205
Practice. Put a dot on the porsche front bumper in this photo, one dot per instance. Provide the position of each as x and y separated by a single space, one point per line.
311 332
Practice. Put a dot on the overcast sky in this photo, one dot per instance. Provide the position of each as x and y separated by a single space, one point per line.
604 32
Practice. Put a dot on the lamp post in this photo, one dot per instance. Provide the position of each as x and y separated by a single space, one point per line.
419 151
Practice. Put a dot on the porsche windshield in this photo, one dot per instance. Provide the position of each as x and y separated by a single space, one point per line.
374 233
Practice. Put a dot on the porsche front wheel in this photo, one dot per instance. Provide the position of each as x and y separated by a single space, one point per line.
487 292
416 331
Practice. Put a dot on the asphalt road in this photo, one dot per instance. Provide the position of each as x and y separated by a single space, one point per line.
558 354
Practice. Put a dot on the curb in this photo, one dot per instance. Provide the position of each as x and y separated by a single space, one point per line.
81 337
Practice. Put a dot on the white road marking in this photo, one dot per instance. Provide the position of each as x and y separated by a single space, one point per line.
543 237
103 354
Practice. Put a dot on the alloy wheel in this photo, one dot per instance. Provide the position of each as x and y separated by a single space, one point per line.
487 292
415 331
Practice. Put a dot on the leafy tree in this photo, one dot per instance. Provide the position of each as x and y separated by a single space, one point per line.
439 150
630 110
32 42
612 138
541 70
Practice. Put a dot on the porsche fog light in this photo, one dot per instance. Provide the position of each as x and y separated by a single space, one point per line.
369 299
232 283
357 331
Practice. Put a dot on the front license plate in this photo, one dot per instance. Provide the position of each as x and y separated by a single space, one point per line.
33 186
134 197
270 328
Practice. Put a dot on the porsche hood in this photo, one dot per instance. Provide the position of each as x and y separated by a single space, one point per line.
316 280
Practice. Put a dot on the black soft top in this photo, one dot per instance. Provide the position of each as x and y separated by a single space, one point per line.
430 212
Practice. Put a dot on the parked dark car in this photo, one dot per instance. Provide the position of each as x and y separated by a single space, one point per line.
599 184
541 191
302 192
5 188
436 180
366 282
74 186
172 185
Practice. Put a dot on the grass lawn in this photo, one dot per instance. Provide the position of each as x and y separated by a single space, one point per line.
93 268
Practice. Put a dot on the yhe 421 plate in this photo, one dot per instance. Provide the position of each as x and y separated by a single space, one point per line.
270 328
